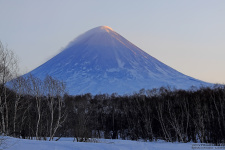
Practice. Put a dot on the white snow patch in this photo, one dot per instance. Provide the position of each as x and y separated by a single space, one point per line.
120 63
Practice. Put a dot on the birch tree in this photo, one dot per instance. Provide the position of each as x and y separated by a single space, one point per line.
35 87
8 70
19 87
54 91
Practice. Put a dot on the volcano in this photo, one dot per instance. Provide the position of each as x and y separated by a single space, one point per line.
102 61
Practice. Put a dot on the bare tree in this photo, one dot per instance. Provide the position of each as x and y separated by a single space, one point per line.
160 112
19 87
36 89
54 91
8 70
61 116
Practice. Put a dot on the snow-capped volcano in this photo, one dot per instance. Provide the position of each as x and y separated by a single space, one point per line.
102 61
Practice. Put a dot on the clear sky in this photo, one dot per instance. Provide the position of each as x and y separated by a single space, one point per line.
187 35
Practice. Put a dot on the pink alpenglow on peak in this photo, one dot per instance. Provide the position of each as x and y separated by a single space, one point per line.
99 36
101 29
102 61
107 28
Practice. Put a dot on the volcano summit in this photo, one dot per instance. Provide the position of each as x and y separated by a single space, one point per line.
102 61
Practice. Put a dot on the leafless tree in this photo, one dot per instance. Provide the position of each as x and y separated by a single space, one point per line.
161 118
54 90
8 70
19 86
61 115
35 86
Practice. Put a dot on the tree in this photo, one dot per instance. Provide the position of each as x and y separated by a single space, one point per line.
19 86
54 91
8 70
36 89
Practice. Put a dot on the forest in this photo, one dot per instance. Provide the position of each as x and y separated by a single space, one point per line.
32 108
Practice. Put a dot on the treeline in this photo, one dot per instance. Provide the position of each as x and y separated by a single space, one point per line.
183 116
42 109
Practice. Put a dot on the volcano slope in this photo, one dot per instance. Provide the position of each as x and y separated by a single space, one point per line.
102 61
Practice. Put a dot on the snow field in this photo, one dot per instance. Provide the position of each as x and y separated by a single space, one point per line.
102 144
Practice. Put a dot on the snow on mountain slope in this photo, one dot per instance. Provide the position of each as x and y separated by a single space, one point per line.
102 61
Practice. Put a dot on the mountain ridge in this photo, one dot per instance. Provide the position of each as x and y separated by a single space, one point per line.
103 61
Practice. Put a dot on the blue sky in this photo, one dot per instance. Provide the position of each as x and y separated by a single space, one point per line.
187 35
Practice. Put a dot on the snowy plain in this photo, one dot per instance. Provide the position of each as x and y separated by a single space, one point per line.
101 144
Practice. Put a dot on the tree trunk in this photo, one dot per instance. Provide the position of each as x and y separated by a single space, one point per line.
52 117
3 116
38 105
15 115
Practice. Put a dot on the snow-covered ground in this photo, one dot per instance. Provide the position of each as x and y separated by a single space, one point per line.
102 144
